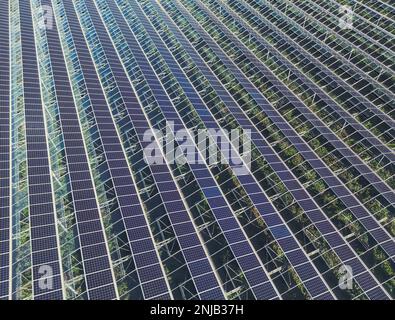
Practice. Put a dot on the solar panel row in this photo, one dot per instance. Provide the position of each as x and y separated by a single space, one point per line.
97 268
5 205
19 195
44 242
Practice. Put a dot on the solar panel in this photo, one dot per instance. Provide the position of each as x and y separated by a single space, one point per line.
37 151
92 232
4 151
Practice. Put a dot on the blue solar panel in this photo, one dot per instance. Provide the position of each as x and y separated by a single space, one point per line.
4 150
37 150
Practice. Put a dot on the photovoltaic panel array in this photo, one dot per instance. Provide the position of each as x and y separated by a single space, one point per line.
107 190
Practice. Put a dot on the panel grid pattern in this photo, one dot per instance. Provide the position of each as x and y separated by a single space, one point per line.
109 191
